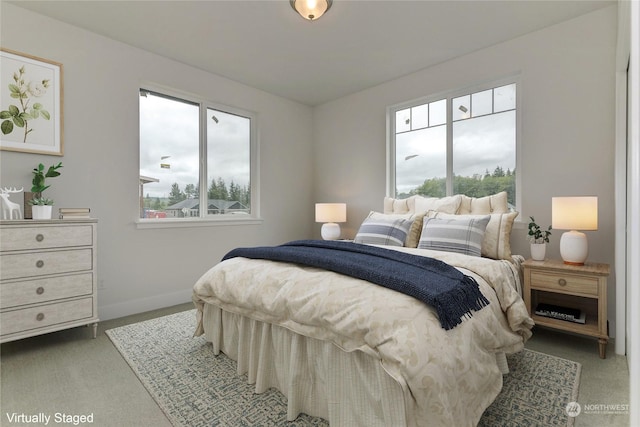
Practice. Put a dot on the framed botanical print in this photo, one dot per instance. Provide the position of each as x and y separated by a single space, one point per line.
31 103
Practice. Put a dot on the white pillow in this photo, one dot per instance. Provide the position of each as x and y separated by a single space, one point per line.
460 235
497 236
421 204
493 204
390 231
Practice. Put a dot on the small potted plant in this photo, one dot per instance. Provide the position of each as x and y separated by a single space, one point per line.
538 239
42 207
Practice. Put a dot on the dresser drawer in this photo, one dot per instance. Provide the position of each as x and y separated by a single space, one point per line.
45 315
563 282
35 264
28 238
45 290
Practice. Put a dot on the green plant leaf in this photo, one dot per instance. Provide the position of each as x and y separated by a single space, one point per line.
18 121
14 88
37 106
45 114
7 127
5 114
34 114
13 110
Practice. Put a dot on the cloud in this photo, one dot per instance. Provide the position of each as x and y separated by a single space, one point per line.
170 129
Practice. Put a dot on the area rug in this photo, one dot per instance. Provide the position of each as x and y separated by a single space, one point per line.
195 388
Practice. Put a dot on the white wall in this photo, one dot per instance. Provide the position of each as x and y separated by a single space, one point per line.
145 269
567 91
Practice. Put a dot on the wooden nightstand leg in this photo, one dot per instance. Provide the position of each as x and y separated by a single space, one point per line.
602 347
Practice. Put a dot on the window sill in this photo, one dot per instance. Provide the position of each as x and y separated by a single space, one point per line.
195 222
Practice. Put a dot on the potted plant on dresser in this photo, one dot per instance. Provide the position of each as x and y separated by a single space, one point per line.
538 239
41 207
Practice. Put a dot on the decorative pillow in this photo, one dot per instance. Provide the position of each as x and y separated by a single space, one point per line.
493 204
391 231
416 227
420 204
395 206
497 236
461 235
449 204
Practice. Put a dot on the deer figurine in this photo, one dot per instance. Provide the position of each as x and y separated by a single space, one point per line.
9 207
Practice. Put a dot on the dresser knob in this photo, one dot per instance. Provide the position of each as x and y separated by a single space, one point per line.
40 263
40 290
40 317
562 282
39 237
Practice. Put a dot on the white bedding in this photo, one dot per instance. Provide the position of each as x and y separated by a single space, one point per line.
447 377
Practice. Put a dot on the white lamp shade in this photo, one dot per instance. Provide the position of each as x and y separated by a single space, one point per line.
574 213
331 212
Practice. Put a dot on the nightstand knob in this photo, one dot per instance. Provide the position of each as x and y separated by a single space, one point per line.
40 263
40 290
40 317
562 282
39 237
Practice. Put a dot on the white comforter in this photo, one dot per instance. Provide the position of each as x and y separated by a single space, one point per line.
450 377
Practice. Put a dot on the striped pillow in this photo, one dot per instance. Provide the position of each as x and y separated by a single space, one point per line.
463 236
384 231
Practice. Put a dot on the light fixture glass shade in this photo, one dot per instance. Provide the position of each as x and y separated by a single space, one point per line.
311 9
330 214
574 213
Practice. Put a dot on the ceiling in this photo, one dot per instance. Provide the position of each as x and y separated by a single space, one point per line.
357 44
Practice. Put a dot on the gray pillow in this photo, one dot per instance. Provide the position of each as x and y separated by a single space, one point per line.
462 236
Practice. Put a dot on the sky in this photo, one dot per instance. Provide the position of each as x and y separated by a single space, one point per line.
169 145
479 143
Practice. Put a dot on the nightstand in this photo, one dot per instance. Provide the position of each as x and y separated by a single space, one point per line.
582 287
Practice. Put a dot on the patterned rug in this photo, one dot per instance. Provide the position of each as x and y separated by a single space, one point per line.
195 388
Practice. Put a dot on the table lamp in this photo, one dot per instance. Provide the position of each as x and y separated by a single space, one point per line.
331 214
574 213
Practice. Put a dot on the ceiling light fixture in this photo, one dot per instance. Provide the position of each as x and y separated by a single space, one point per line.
311 10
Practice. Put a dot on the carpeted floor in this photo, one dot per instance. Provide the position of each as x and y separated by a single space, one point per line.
195 388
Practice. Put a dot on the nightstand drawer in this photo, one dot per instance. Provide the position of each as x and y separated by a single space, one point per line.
43 290
45 315
26 238
566 283
34 264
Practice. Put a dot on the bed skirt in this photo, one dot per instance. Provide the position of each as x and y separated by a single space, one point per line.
317 377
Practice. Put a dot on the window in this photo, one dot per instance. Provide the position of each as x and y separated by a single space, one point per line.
194 154
458 143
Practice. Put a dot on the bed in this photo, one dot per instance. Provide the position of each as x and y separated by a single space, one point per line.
356 353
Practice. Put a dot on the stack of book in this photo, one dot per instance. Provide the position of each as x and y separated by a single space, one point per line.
74 213
562 313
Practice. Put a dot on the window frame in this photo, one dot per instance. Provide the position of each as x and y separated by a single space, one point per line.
449 96
204 218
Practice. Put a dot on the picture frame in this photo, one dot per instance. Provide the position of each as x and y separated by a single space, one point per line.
31 104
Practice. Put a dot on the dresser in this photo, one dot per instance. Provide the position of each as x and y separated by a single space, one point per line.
48 278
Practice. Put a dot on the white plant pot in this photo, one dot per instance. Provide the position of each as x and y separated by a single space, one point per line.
538 251
41 212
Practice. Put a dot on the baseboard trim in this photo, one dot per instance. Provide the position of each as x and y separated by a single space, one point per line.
127 308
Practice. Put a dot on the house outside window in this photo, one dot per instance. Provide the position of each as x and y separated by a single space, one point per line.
462 142
197 160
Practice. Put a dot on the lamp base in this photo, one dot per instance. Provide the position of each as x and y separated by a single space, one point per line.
574 247
330 231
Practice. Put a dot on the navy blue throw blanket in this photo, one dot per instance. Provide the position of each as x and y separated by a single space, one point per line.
451 293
